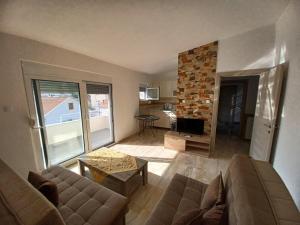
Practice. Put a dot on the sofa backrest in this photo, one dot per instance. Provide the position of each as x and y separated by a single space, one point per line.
21 204
255 194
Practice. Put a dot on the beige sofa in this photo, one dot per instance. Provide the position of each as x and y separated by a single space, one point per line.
255 195
81 201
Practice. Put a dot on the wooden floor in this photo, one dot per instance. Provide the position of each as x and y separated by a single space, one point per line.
164 163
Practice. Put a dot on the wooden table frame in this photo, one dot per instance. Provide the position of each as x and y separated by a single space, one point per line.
123 177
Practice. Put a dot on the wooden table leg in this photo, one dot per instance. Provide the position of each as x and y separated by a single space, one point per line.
152 127
140 127
145 174
81 168
124 189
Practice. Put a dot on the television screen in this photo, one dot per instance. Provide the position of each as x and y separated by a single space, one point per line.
192 126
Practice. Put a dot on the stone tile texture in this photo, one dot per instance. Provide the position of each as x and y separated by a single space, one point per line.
196 83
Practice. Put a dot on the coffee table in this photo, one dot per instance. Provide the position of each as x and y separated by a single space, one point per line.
123 182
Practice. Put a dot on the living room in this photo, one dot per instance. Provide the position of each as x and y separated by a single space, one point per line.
140 83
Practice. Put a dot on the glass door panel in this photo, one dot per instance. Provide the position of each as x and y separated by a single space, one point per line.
100 114
59 111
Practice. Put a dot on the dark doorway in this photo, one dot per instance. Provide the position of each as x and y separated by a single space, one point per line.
237 104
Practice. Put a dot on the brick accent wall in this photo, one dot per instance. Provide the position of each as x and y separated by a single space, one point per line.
196 82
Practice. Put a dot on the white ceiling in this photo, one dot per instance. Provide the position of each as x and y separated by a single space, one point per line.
142 35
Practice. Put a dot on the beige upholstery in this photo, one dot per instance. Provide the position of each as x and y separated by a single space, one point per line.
255 195
182 195
21 204
246 199
284 208
83 202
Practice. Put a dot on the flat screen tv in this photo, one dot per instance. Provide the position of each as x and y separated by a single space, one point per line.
192 126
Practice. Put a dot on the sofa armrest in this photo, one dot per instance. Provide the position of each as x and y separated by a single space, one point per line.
23 203
255 194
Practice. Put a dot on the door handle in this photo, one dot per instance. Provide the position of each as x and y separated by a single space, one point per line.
267 125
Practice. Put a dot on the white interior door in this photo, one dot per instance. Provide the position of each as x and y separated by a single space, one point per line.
266 113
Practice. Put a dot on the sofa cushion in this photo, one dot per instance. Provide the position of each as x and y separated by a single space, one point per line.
183 194
246 199
257 195
46 187
84 202
21 203
214 193
280 200
7 216
191 217
214 216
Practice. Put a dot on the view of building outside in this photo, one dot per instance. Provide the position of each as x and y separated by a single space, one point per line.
59 108
98 105
99 120
61 111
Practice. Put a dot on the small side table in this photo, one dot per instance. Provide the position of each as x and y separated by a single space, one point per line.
147 121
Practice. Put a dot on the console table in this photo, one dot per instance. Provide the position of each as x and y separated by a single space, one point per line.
188 142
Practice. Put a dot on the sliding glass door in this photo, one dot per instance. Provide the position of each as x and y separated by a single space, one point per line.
60 122
63 132
99 99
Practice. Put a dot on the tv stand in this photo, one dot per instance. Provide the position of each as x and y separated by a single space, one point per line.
188 142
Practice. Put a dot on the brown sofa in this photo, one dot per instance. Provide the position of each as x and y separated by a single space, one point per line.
81 201
255 195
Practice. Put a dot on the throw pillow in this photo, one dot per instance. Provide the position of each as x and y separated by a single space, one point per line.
46 187
221 194
214 193
191 217
214 216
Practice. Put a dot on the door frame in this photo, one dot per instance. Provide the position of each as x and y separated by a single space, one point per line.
57 73
34 117
244 83
111 112
219 75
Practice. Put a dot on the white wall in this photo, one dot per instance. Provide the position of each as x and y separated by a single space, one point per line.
16 144
169 75
287 152
250 50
